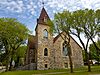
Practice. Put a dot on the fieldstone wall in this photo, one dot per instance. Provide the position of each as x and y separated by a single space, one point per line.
55 58
42 44
59 58
77 58
77 54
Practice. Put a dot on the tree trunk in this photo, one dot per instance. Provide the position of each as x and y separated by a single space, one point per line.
70 59
10 68
87 61
89 66
7 62
17 62
71 64
98 56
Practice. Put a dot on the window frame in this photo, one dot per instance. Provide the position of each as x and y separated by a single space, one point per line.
63 49
66 65
46 66
45 50
45 33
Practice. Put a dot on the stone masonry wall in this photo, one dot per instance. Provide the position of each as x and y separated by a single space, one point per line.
55 58
42 44
77 54
77 58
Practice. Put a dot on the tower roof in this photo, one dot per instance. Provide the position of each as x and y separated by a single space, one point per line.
43 17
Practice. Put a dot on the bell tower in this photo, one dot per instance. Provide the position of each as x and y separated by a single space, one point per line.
44 42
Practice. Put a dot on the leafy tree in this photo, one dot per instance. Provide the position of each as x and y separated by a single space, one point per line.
1 46
98 22
94 52
20 54
61 26
91 26
84 56
78 23
12 34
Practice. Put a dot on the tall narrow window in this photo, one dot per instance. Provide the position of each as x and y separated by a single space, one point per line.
46 66
45 52
45 33
65 50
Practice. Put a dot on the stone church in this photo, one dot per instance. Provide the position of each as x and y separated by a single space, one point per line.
48 52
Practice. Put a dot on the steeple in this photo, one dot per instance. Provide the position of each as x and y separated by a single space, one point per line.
43 17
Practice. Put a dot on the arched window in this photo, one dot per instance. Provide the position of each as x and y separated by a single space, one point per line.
65 50
45 52
45 33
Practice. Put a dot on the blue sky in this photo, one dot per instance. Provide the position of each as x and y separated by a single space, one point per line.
27 11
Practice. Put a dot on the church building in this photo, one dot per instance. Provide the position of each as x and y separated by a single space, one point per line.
48 52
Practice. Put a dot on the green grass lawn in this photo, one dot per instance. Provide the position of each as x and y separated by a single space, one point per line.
78 71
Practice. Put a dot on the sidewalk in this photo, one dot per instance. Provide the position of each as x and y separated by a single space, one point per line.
50 73
94 74
58 73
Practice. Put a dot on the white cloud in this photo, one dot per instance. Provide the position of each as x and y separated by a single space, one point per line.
31 7
56 5
91 4
18 6
14 6
71 5
60 5
2 1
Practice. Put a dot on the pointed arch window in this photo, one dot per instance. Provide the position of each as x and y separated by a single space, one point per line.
65 49
45 33
45 52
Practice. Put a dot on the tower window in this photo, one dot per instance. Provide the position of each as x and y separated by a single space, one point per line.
66 65
46 66
45 33
45 52
65 50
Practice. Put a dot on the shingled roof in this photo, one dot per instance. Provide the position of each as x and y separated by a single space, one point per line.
43 16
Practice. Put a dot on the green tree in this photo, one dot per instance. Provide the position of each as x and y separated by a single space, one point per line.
12 34
98 22
61 26
20 55
94 52
78 23
91 26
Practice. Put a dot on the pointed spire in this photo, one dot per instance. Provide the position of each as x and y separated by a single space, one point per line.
43 17
43 3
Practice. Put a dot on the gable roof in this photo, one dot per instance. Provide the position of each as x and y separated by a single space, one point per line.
55 39
43 16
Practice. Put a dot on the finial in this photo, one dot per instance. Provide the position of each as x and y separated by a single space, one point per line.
43 3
